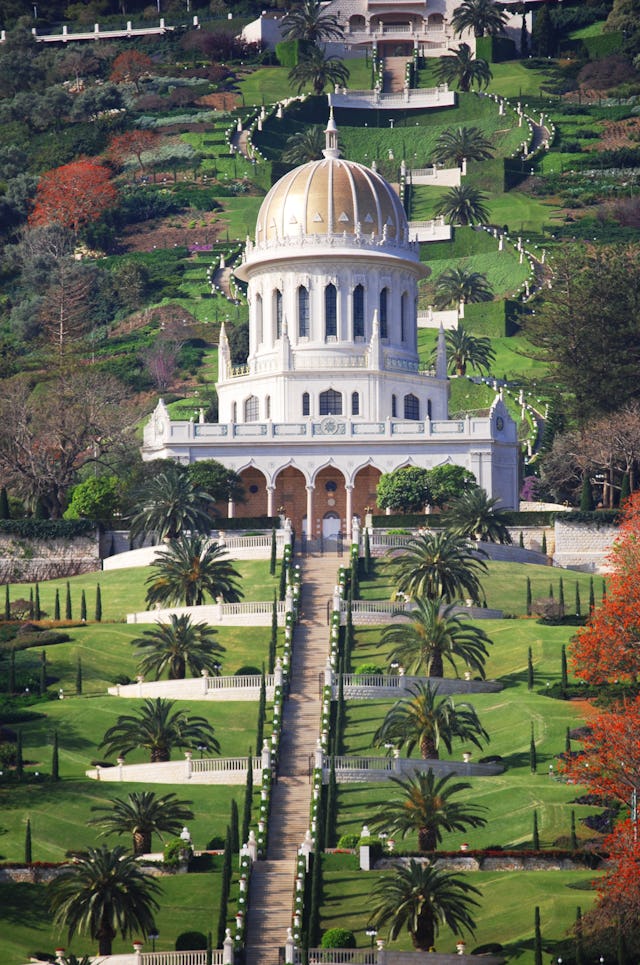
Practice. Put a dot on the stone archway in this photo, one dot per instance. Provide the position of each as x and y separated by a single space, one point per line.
364 490
255 493
329 501
290 496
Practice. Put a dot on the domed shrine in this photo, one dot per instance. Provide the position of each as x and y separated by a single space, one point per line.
332 393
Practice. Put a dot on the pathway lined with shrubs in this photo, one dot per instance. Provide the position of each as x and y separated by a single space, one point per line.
273 880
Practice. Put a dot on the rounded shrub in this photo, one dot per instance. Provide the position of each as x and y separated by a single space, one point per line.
368 668
191 941
338 938
349 841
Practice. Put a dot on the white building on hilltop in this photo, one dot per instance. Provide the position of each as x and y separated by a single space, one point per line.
332 393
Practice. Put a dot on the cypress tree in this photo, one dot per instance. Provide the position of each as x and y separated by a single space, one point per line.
19 757
543 547
348 637
83 607
332 807
7 603
316 900
586 496
37 612
551 593
574 836
524 39
367 553
521 540
28 855
578 605
98 614
12 672
43 672
625 488
31 606
282 590
67 609
224 889
537 940
262 706
55 759
533 757
592 596
248 801
79 676
530 675
529 600
320 821
273 557
273 642
56 606
567 741
563 670
561 597
536 835
4 504
604 591
234 828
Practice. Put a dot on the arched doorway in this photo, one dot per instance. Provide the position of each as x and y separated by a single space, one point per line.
255 493
331 528
290 496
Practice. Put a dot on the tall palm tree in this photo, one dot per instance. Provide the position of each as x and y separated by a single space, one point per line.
436 634
420 898
455 285
316 70
424 805
170 504
439 564
142 815
309 22
465 349
190 568
305 145
463 69
474 515
484 17
425 720
102 893
176 645
159 727
459 143
463 205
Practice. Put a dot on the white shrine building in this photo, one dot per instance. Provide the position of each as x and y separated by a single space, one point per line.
333 393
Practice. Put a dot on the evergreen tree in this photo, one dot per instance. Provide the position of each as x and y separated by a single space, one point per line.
543 546
578 933
578 605
537 940
19 757
567 741
248 801
273 642
316 900
587 504
332 807
561 597
551 593
367 553
604 591
262 706
43 672
574 836
55 761
521 540
349 638
563 670
4 504
273 557
592 596
533 757
79 676
524 38
37 611
98 613
67 610
282 590
528 597
625 488
544 40
31 606
28 854
12 672
536 835
7 603
83 607
56 606
225 885
530 675
234 827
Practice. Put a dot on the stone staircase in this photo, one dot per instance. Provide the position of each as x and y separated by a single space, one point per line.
393 74
273 880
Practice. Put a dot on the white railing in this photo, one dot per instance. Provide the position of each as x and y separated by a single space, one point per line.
341 956
242 542
258 613
377 606
214 765
244 680
181 958
372 680
363 764
391 540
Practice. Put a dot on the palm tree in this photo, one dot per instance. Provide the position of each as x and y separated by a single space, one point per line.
158 727
169 505
455 285
143 815
189 568
465 70
436 634
177 645
308 22
474 515
439 564
465 349
424 805
424 720
463 205
102 893
420 898
306 145
462 143
317 70
484 17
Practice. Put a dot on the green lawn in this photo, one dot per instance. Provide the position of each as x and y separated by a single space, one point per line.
502 268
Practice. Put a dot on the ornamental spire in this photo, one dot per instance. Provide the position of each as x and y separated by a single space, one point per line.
331 137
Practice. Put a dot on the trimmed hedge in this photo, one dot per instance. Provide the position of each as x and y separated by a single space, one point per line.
495 49
47 528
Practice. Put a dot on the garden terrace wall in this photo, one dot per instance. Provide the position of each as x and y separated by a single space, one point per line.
508 861
583 546
31 559
380 686
368 770
118 555
231 770
257 614
382 956
243 687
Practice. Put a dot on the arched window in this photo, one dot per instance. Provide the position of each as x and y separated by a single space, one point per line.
303 312
355 403
305 403
382 313
404 316
411 407
358 312
330 311
251 409
330 402
259 332
277 311
394 407
267 407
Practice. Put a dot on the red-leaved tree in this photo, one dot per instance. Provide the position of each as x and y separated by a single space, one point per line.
617 910
73 195
608 648
133 143
131 66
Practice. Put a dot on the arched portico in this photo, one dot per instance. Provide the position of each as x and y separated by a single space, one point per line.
256 495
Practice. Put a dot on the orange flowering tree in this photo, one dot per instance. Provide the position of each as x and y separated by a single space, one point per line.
73 195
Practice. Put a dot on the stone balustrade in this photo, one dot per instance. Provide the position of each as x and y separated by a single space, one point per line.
367 770
243 687
230 770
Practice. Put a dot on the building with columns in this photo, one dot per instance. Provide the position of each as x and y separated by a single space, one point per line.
333 393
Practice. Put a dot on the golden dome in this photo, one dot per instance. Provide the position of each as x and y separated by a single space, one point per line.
331 197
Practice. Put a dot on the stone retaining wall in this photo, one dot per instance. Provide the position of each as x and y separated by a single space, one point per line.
493 863
28 560
583 546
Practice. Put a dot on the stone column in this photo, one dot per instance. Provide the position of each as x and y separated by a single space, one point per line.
205 681
189 765
252 846
231 510
278 673
349 511
289 949
271 490
227 948
310 519
266 756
